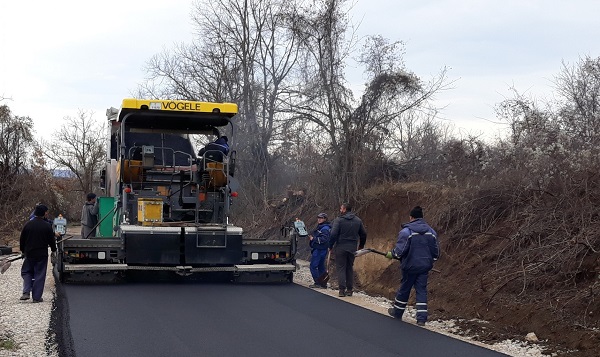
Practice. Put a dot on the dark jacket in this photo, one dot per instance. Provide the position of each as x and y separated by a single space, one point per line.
36 237
417 246
321 236
89 214
348 232
218 145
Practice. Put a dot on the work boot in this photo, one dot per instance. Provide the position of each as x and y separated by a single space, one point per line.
342 293
421 323
324 286
393 313
40 300
25 296
348 292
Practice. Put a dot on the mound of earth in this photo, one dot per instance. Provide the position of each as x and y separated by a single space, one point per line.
464 289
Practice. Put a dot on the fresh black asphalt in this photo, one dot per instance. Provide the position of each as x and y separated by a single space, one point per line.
216 319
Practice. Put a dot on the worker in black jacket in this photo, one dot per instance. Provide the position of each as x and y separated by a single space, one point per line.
36 237
347 233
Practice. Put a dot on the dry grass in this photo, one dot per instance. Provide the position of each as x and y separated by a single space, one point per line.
524 260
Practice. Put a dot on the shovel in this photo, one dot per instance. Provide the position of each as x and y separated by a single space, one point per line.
324 278
64 239
364 251
5 258
6 263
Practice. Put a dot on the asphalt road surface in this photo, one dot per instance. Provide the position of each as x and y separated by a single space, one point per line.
212 319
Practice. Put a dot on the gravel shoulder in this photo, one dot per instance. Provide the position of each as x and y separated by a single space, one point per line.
26 325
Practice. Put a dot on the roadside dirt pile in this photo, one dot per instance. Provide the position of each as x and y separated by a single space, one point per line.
501 276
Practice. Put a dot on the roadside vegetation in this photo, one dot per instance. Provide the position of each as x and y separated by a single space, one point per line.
7 343
518 216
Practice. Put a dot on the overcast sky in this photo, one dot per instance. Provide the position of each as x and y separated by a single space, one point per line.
60 56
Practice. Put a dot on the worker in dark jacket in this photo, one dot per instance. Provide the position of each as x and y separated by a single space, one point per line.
347 234
220 145
36 237
319 245
32 214
417 248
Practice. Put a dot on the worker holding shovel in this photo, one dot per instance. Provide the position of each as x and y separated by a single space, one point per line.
417 248
37 235
319 245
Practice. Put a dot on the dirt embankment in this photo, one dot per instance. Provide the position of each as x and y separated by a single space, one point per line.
496 301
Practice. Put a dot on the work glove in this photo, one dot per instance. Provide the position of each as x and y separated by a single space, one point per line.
389 255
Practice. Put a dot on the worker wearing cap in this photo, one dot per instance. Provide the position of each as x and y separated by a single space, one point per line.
221 145
36 237
32 215
319 244
417 248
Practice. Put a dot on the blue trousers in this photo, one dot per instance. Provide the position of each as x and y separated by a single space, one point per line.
418 280
317 263
33 273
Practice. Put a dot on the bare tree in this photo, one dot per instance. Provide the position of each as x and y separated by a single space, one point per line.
245 58
283 62
579 87
79 146
16 137
356 130
537 190
15 141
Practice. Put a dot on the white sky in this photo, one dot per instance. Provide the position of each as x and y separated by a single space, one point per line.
60 56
